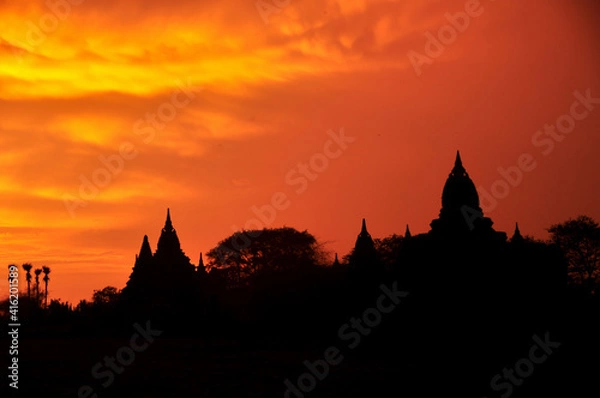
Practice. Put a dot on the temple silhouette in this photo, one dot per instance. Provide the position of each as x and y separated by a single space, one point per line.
168 258
463 254
475 294
462 272
460 216
163 281
474 299
460 233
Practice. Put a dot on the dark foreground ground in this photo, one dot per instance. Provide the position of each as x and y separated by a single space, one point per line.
410 353
191 367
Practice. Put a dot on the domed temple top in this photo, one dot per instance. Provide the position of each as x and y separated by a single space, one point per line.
460 213
459 189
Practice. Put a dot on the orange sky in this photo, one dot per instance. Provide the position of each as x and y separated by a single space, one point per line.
239 99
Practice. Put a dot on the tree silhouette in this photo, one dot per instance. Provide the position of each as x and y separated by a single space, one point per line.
27 267
579 239
389 249
37 272
245 254
46 271
105 296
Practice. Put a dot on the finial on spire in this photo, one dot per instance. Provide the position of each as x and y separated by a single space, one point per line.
517 235
168 223
200 269
458 166
407 234
336 262
364 234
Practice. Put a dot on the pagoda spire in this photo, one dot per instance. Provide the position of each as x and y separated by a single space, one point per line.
407 233
168 238
364 236
145 256
201 269
363 230
336 262
364 259
517 234
145 251
458 166
168 223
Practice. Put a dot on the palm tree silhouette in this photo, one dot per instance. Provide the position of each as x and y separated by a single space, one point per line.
46 271
37 272
27 268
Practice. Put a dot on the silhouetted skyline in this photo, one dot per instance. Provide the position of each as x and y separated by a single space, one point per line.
300 199
275 288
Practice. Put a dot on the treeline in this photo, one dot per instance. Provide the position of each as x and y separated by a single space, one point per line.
282 282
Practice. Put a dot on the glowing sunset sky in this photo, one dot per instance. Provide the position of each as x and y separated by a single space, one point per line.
213 110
